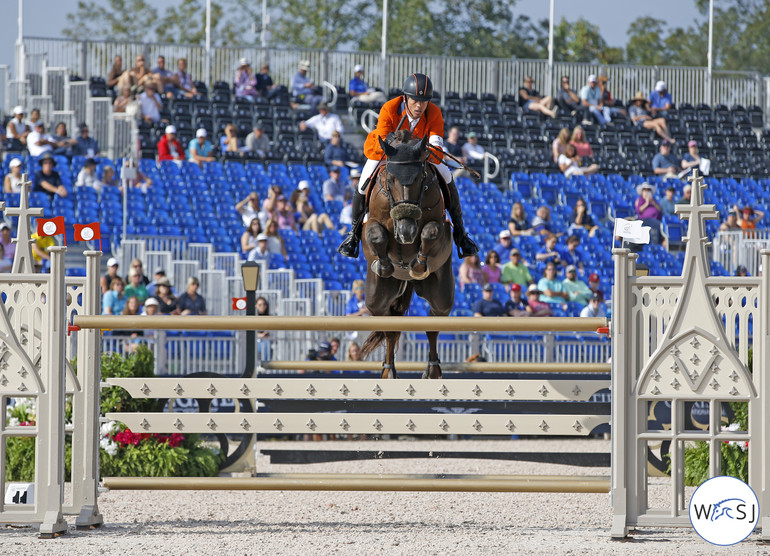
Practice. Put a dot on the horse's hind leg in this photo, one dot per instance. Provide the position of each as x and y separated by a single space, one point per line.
433 370
389 365
377 238
418 268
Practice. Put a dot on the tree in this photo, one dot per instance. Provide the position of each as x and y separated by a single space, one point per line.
323 24
186 23
578 42
414 27
645 45
121 20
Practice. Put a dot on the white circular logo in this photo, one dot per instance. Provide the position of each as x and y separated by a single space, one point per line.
240 304
87 234
49 228
724 510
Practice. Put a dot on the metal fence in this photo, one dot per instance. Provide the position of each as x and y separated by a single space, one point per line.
742 247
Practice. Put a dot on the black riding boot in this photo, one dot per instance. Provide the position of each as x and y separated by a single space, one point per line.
465 245
349 246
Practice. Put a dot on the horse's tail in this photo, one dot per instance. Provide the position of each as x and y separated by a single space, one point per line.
399 307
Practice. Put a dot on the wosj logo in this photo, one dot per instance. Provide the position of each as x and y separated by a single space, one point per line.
724 510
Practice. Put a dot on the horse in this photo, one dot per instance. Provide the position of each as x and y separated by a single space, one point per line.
407 242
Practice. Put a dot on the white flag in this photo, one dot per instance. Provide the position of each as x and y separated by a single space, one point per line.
632 230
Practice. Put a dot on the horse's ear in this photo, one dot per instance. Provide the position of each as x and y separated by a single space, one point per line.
389 150
420 149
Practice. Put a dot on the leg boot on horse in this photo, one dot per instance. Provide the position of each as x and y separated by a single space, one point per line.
349 246
465 245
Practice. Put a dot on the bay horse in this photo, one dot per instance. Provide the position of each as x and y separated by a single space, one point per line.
407 242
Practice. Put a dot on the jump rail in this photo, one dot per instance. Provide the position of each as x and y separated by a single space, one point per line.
415 366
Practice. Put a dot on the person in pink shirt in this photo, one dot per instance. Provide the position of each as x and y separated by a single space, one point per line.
648 210
492 269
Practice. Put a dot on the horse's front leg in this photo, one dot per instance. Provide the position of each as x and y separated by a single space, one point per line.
377 238
419 268
389 365
433 370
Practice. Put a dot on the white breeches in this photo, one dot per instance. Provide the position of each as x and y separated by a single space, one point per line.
371 166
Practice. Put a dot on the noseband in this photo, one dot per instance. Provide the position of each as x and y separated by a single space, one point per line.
406 208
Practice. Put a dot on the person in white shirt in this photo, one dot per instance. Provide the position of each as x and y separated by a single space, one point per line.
151 103
16 128
569 163
87 176
324 123
39 142
472 151
12 181
595 307
591 97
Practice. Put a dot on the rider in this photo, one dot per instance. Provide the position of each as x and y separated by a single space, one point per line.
415 112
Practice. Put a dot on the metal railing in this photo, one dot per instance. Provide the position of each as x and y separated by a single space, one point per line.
741 247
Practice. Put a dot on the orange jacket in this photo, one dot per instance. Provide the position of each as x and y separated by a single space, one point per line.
430 123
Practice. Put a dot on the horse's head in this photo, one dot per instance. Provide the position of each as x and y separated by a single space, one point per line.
405 176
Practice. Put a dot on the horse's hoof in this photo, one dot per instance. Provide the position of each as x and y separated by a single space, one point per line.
419 275
383 271
433 370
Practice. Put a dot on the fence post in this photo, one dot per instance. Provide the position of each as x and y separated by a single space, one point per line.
549 342
159 351
83 61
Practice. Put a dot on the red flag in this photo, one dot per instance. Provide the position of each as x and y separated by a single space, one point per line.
87 232
51 227
239 303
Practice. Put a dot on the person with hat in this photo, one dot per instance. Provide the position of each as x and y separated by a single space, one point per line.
660 100
245 83
303 89
12 181
646 207
150 308
504 245
665 163
200 149
17 128
535 307
169 147
257 142
731 222
86 145
354 176
472 151
360 91
516 306
159 274
593 284
325 123
413 110
48 180
577 290
9 246
530 99
39 142
667 204
335 153
639 115
488 306
591 98
748 217
515 271
164 293
594 308
150 103
334 188
87 176
112 273
693 159
305 214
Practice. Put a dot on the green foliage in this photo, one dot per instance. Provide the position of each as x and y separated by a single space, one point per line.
120 20
139 364
151 458
20 459
578 41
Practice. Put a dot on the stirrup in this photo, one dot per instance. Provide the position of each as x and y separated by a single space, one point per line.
349 246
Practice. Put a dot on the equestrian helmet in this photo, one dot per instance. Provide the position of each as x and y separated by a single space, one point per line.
418 87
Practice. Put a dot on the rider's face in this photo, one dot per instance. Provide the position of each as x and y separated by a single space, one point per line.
416 107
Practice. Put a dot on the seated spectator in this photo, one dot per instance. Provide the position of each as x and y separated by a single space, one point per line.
40 245
648 209
595 307
607 99
107 277
749 217
472 151
665 163
200 149
136 287
150 308
641 117
470 271
581 144
64 143
249 236
9 246
260 252
6 264
12 181
535 307
731 222
493 271
137 77
39 142
581 219
593 283
359 90
516 306
325 123
245 81
16 128
568 100
137 266
34 117
269 205
167 301
334 188
249 209
692 159
275 243
151 104
530 100
86 146
264 349
591 99
109 179
452 146
123 100
190 303
356 306
169 147
660 100
569 163
284 214
518 224
559 145
159 275
335 153
257 142
303 89
114 301
306 215
87 177
354 352
571 255
577 290
183 80
667 203
515 271
504 244
141 181
229 143
541 223
163 78
549 254
48 180
741 270
686 194
265 85
551 287
115 73
354 176
488 306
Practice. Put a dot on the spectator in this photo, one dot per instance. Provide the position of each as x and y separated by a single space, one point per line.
141 74
593 283
264 349
487 306
245 81
470 271
16 128
115 73
571 255
731 222
335 153
265 85
249 209
648 209
472 151
111 274
269 205
169 147
453 147
34 117
260 252
581 144
749 217
137 266
275 243
504 244
607 99
228 143
660 100
577 290
559 145
667 203
595 307
581 219
569 163
551 287
306 215
549 254
249 236
40 245
39 142
167 302
356 305
163 78
9 247
492 269
48 180
303 89
190 303
541 223
692 159
641 117
257 142
200 149
6 265
334 187
515 271
346 214
123 100
741 270
354 176
151 104
591 98
140 181
354 352
686 194
325 123
114 300
159 275
535 307
665 163
12 181
109 179
359 90
530 100
518 224
136 288
516 306
64 143
87 177
183 80
150 308
568 100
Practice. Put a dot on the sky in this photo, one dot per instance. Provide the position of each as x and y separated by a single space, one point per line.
612 16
